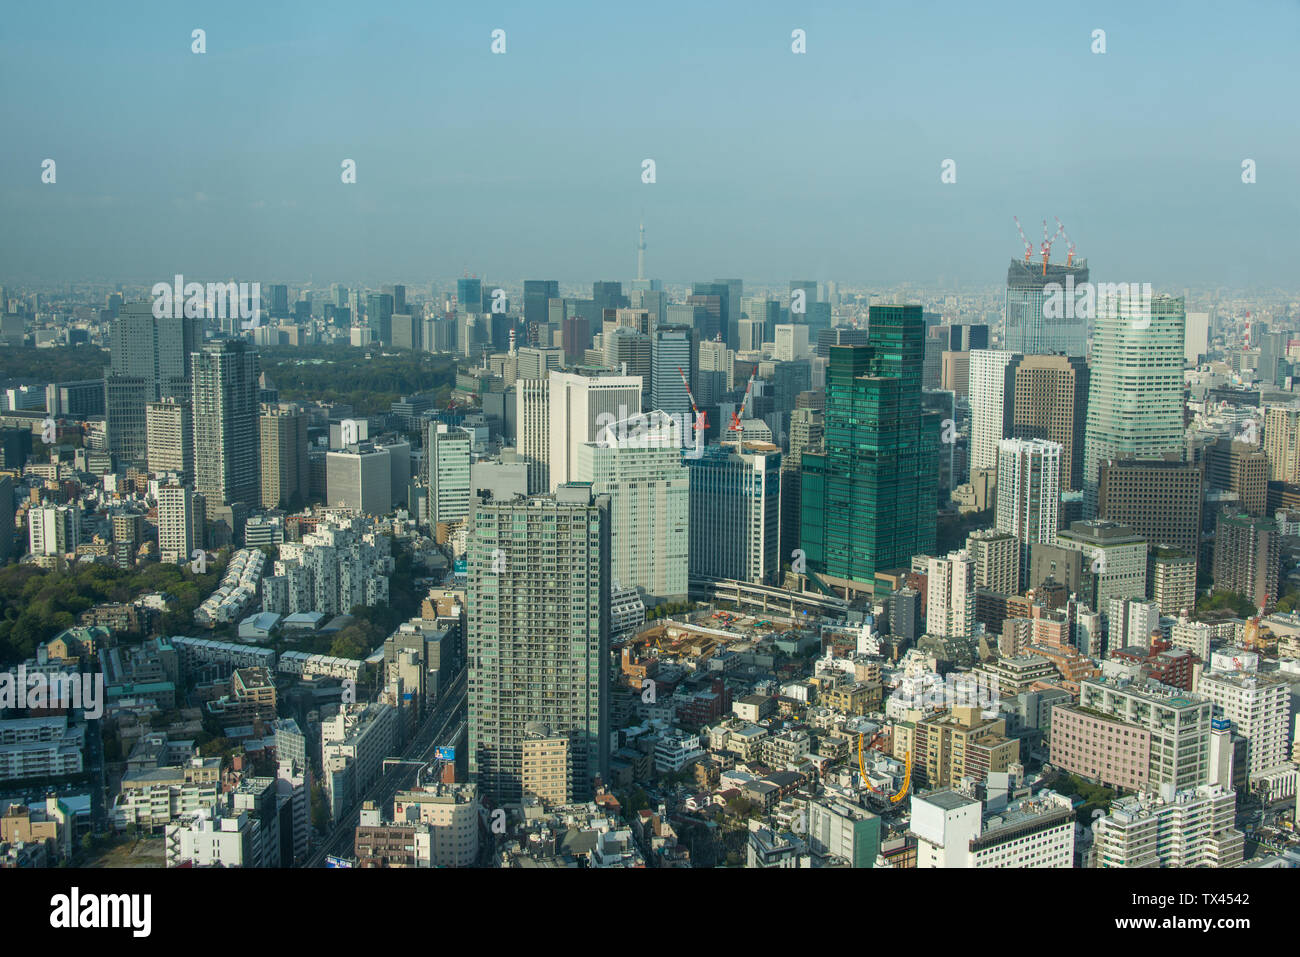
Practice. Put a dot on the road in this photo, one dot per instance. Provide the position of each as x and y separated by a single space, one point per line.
431 734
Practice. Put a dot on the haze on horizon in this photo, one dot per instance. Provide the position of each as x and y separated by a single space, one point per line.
824 165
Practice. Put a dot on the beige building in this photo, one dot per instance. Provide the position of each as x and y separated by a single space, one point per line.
547 772
451 811
285 471
960 743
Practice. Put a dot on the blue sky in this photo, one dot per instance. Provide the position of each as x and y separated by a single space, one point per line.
769 164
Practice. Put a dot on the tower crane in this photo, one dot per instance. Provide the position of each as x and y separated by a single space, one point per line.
1029 247
701 420
735 416
1069 253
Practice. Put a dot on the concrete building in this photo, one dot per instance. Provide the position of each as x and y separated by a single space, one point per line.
170 437
1247 556
285 472
1190 827
735 512
227 441
1029 493
538 613
360 478
950 596
577 404
955 830
1259 707
447 457
639 465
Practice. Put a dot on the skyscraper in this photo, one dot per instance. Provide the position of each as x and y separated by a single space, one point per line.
169 427
869 499
379 316
1049 400
991 386
533 422
1029 493
672 354
469 296
638 464
538 643
176 523
285 472
1033 327
1135 397
735 502
227 460
581 405
536 294
360 478
151 358
447 455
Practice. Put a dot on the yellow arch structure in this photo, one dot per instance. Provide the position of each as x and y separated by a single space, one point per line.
907 774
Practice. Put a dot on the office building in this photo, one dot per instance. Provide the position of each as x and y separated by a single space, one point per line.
580 406
537 293
359 478
955 830
638 464
1135 395
1049 400
1159 498
447 453
735 512
673 350
996 555
538 642
379 317
1114 560
533 426
1240 468
1035 321
869 498
1282 442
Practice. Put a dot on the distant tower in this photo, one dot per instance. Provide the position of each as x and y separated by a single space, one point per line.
640 253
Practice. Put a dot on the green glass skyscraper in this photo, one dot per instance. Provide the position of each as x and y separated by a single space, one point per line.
869 499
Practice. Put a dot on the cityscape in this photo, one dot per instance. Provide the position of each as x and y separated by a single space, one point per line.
377 562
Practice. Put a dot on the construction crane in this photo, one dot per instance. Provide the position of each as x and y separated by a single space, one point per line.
1046 248
1069 253
1029 247
735 416
701 421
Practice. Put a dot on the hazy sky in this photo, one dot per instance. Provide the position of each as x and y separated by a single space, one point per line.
528 164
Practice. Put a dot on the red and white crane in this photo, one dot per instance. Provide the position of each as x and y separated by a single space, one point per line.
1029 247
701 420
1069 253
735 416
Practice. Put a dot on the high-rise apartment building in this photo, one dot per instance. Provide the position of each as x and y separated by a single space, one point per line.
1247 556
991 386
176 523
1029 493
227 441
1282 442
285 473
1192 827
869 498
1135 396
538 644
1114 560
53 529
996 555
950 596
1241 468
169 427
1259 707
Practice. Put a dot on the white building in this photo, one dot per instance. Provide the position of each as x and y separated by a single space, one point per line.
447 452
1189 828
205 839
576 404
638 463
953 830
54 529
988 374
1029 493
950 596
1259 707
